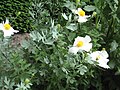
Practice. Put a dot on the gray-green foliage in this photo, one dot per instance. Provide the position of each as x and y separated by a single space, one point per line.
8 84
13 67
102 27
44 57
17 11
56 68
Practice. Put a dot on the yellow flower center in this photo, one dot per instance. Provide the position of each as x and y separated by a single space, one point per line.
98 57
7 26
80 44
81 13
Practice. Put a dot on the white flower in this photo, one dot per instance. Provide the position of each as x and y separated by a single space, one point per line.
81 43
81 14
7 29
101 58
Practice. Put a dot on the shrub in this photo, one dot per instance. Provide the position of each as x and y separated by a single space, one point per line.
18 13
44 60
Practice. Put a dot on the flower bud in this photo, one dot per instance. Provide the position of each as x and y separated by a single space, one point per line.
77 1
27 81
33 74
94 14
18 13
103 49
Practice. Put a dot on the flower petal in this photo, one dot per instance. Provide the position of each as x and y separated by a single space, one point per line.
87 47
87 38
1 26
7 21
94 54
73 50
102 61
104 65
15 31
82 19
79 9
7 33
104 54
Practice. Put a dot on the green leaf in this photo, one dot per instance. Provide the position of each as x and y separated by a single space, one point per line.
82 69
48 41
36 36
72 81
89 8
71 36
25 44
64 70
111 63
64 16
46 60
89 60
69 5
116 1
70 17
72 27
114 46
55 32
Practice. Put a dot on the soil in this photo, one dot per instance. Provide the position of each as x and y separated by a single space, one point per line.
17 38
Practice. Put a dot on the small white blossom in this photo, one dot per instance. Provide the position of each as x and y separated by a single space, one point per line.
101 58
7 29
81 43
82 17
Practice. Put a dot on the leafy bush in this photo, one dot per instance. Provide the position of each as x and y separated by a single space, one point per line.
18 13
44 60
